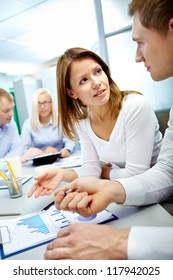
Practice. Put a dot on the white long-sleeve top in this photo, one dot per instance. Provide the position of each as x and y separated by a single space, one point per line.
150 243
133 146
154 185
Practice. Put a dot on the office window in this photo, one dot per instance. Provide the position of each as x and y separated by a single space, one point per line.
131 75
115 14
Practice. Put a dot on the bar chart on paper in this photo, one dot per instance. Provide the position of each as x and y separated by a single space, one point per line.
62 219
41 225
34 224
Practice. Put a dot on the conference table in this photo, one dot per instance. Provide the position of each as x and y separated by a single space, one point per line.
152 215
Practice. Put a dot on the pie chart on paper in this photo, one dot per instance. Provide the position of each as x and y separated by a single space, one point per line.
86 219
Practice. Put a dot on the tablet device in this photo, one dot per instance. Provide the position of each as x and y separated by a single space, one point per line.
45 159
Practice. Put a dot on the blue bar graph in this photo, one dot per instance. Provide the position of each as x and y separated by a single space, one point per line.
60 218
35 224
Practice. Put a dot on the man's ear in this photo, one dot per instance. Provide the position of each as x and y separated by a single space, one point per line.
71 93
171 25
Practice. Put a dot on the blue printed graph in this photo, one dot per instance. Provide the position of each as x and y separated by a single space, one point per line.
60 218
35 224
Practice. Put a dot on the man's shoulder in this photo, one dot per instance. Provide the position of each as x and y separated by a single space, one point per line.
13 123
12 126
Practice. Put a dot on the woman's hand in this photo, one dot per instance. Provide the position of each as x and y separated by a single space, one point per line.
50 179
64 153
106 169
50 150
30 153
47 182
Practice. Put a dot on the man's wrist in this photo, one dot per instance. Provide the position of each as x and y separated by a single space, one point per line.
122 246
117 192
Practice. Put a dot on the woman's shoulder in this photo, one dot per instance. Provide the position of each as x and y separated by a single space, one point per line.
136 99
27 122
137 104
83 124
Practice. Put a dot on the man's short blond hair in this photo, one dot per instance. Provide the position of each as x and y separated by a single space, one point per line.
5 94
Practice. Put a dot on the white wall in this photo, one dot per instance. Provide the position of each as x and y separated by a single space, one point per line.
5 81
23 90
48 77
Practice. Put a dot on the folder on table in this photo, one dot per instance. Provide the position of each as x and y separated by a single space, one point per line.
31 230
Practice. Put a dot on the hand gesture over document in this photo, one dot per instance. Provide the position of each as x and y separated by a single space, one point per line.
49 180
88 195
46 182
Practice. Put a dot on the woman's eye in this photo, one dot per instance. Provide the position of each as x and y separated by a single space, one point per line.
98 70
83 81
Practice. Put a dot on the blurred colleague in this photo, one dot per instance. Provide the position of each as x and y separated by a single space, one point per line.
111 124
40 133
10 142
152 30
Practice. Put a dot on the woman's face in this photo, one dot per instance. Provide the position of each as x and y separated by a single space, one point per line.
89 82
44 105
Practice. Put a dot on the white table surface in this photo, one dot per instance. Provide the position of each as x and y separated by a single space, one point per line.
154 215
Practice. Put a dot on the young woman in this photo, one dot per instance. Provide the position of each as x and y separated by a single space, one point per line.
40 133
118 130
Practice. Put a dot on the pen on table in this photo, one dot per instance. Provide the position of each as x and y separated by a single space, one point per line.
9 214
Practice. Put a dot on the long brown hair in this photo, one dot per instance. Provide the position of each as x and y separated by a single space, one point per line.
72 111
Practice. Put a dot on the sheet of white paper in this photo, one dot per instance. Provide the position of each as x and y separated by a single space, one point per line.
72 161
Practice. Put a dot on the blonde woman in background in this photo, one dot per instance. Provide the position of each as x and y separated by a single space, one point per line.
40 133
